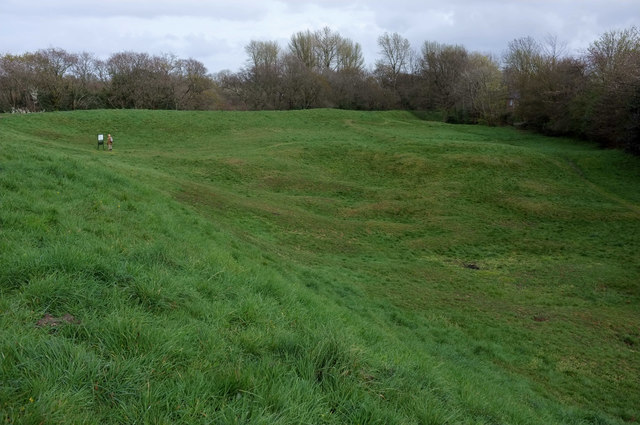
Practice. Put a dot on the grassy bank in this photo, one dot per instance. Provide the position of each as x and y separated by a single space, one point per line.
314 267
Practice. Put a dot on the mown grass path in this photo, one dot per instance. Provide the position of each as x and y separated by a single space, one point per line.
314 267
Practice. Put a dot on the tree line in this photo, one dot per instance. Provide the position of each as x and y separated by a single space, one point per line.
536 84
53 80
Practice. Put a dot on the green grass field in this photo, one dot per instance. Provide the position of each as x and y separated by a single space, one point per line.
314 267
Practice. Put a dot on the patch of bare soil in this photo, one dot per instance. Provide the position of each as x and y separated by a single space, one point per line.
52 322
540 318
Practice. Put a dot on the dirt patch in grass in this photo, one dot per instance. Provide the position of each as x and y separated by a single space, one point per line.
540 318
52 322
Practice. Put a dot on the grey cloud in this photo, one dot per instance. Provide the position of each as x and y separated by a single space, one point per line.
147 9
488 26
215 32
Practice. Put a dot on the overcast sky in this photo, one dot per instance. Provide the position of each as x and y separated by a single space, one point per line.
216 31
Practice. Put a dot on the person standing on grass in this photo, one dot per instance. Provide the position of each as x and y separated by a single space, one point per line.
109 142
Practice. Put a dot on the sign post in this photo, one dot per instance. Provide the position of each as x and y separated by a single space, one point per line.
101 141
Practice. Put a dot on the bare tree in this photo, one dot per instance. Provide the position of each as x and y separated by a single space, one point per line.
263 75
263 55
234 90
85 84
194 89
396 53
553 49
326 50
316 68
523 64
350 56
302 87
613 58
303 47
614 69
138 80
17 82
484 92
127 72
442 68
327 44
52 66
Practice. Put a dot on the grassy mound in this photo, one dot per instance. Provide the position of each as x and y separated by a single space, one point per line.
314 267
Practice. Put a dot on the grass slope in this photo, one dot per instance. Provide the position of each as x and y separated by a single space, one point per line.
314 267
